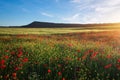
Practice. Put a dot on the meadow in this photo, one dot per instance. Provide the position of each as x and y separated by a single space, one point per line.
60 53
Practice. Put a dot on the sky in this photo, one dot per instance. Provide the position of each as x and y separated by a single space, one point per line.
22 12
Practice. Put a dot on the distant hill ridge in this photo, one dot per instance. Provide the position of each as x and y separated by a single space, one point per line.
37 24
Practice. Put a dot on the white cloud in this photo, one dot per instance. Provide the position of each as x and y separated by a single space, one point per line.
112 2
25 10
72 19
106 17
96 11
107 11
75 1
46 14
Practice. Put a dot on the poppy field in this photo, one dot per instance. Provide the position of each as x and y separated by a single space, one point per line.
89 55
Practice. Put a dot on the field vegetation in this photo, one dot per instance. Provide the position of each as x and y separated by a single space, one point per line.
59 54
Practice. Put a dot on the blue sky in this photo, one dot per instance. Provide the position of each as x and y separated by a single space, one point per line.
22 12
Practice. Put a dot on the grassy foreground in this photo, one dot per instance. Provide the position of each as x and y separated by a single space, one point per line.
80 55
15 31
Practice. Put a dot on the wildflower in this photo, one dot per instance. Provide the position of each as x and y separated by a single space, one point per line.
12 53
94 54
84 57
3 66
118 66
14 74
2 62
118 60
16 68
78 59
6 50
107 66
63 78
49 71
59 65
78 51
59 73
25 60
20 65
90 51
108 56
20 54
70 45
6 57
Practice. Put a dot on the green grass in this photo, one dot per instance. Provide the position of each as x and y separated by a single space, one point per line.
54 30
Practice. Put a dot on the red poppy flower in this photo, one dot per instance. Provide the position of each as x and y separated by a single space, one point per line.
49 71
59 65
12 53
107 66
16 68
118 66
118 60
14 74
20 65
6 57
78 59
25 60
94 54
2 62
108 56
20 54
59 73
63 78
6 50
3 66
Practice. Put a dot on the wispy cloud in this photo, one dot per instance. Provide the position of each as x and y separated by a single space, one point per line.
72 19
25 10
75 1
46 14
97 11
107 11
107 6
